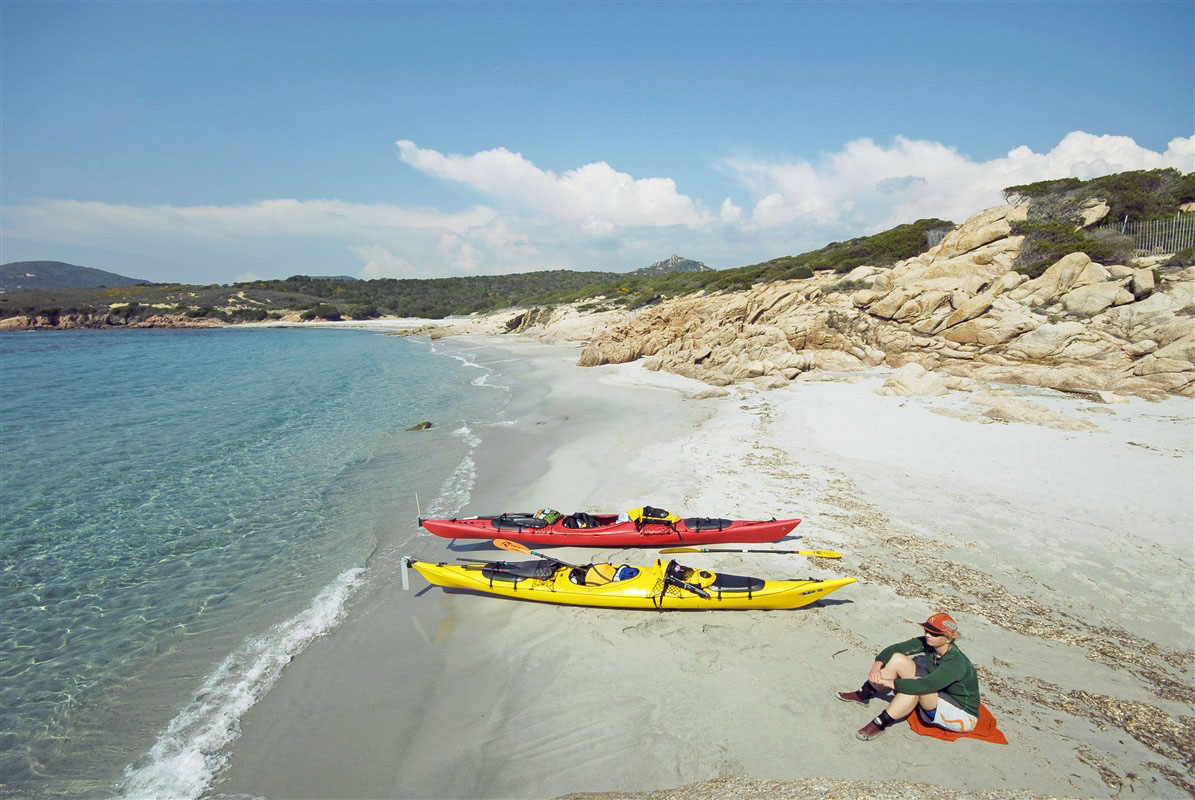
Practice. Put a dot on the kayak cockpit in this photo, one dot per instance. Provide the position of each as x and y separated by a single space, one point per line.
515 571
707 523
735 583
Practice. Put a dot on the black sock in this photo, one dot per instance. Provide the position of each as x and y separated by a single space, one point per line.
867 691
883 720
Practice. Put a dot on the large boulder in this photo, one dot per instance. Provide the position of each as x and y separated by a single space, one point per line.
1087 301
1069 272
1003 322
1046 341
1143 283
913 379
1092 212
978 230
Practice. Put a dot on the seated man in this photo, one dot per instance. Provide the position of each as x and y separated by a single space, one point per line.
928 673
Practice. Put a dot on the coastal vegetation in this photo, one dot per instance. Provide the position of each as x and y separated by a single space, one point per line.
1051 230
436 298
442 297
129 305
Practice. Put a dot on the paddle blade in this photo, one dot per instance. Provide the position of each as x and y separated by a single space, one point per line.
680 550
821 553
515 547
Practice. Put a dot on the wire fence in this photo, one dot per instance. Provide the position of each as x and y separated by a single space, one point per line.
1155 237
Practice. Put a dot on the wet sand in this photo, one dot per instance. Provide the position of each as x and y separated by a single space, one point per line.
1067 557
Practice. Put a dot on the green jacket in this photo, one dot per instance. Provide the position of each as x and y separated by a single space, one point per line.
952 673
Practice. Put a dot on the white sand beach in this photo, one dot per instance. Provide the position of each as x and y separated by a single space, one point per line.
1063 546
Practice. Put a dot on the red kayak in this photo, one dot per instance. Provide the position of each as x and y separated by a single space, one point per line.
605 530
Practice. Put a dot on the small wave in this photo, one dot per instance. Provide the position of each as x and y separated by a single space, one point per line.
463 357
458 488
192 749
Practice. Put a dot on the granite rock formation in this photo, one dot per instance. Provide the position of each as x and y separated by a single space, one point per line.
958 310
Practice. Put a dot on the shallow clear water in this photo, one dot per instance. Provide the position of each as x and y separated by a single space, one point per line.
181 512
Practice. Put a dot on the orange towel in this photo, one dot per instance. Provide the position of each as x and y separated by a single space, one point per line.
985 729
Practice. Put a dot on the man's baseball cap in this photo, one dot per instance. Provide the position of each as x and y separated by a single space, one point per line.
941 625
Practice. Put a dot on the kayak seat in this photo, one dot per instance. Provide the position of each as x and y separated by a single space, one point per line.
735 583
707 523
601 574
581 520
520 570
517 523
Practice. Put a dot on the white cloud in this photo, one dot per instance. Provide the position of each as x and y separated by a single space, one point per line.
459 254
76 219
866 186
596 196
730 214
381 263
591 217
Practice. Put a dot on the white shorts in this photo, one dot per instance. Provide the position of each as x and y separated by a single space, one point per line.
951 717
948 715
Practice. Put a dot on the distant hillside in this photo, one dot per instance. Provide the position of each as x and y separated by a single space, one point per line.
1052 229
22 276
673 264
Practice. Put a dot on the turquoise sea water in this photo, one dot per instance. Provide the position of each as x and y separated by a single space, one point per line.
181 512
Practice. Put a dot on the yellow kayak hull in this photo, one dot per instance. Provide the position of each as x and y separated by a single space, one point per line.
647 590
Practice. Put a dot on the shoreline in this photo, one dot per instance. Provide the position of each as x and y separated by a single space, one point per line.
438 632
430 694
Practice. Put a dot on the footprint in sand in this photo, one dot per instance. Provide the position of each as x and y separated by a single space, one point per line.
702 663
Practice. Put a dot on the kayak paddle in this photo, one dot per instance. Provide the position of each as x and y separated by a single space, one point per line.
515 547
815 553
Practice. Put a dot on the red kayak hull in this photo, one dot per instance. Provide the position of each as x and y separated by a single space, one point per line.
620 534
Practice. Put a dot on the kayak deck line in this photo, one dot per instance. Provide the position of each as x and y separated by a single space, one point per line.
607 530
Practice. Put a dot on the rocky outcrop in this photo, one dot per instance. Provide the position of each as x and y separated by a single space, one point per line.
1092 211
85 321
958 310
914 379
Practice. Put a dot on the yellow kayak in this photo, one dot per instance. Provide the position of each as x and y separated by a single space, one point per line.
663 585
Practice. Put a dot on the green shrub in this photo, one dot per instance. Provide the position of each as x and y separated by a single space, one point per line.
358 311
1136 195
1183 258
1046 241
1117 247
644 299
1028 191
846 286
247 314
321 311
801 272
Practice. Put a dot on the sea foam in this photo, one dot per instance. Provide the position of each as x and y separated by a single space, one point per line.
192 749
458 488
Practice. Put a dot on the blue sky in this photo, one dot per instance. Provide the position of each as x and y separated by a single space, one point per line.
211 142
